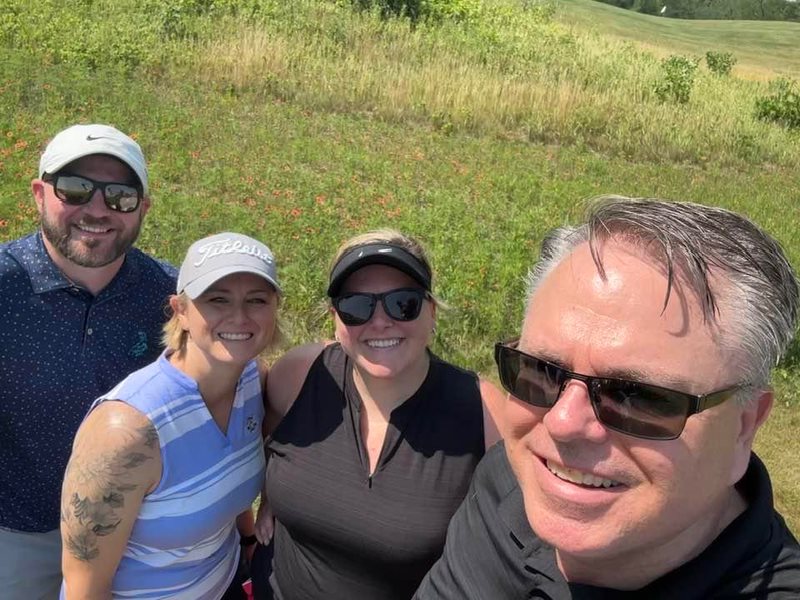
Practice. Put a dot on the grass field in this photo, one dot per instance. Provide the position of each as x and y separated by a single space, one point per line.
763 48
309 123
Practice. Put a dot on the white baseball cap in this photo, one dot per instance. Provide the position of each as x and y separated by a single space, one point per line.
217 256
82 140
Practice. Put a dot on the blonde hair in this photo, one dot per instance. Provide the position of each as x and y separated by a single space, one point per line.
174 336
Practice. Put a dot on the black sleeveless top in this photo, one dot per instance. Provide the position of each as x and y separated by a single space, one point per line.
341 534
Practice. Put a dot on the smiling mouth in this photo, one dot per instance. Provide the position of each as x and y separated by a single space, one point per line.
579 477
91 228
235 337
389 343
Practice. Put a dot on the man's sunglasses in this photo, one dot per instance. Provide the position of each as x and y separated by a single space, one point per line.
357 308
76 190
638 409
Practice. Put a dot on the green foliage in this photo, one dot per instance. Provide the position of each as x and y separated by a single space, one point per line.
509 69
130 34
302 122
278 150
456 10
75 36
782 106
720 63
181 19
393 8
650 7
677 79
417 10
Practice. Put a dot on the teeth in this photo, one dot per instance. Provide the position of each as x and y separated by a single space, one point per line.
579 477
91 229
383 343
236 337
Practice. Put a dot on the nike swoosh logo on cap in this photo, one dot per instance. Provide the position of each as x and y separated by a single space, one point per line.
91 138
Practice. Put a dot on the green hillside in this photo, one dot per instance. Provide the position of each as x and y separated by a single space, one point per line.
760 46
304 122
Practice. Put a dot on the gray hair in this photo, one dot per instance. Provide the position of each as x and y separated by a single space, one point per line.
694 243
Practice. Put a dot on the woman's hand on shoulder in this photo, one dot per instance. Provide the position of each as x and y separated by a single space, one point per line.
286 379
493 401
115 461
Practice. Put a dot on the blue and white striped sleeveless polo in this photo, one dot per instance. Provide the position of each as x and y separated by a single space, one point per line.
184 544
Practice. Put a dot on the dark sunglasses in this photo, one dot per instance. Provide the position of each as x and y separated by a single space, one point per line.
76 190
402 304
638 409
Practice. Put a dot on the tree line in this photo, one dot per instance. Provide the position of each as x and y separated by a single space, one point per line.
758 10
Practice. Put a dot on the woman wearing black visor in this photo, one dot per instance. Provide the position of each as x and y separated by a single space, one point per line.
376 437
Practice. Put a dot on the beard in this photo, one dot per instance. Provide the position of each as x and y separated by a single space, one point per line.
89 253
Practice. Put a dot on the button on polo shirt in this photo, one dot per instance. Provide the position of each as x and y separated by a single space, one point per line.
60 348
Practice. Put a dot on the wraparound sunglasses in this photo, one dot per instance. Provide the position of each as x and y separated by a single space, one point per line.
641 410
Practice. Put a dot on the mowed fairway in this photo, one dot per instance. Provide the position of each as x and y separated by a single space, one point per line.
761 47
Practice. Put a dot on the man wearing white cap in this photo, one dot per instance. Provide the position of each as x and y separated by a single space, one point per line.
81 309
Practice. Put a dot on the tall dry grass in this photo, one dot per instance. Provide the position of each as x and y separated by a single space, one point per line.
508 72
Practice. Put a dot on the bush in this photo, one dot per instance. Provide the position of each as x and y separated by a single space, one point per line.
416 10
782 106
185 19
720 63
677 80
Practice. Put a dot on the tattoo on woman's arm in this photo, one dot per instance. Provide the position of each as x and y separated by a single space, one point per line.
88 516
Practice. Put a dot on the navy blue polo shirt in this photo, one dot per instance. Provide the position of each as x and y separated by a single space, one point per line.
60 348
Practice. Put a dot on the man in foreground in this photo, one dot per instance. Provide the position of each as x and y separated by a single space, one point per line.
635 391
81 309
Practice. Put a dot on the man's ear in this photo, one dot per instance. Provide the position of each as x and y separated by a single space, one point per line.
754 413
145 205
37 188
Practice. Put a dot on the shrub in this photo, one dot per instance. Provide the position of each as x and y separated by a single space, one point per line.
677 79
782 106
720 63
184 19
416 10
544 10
